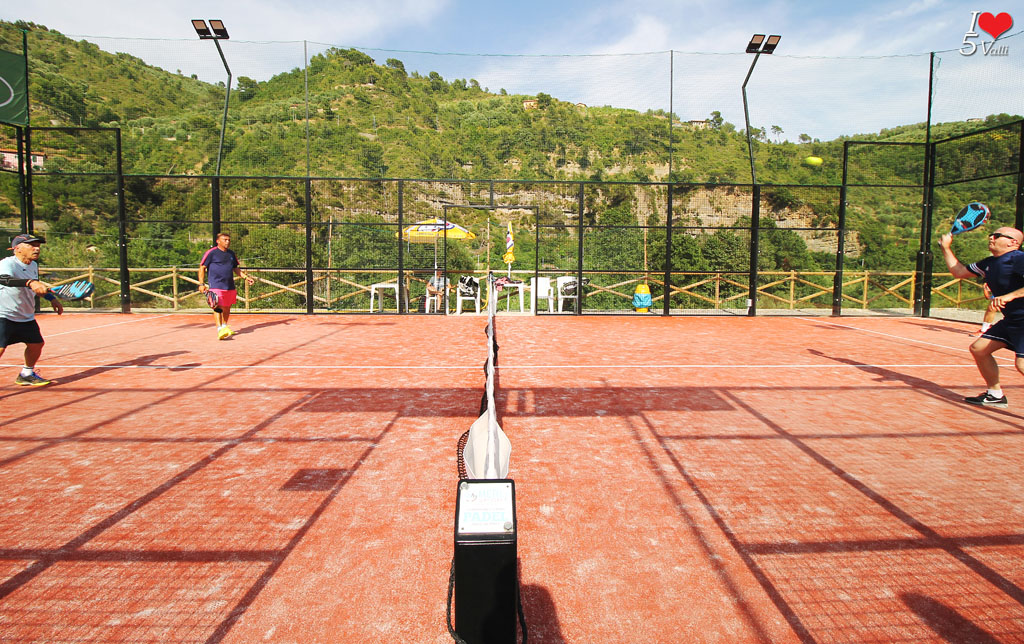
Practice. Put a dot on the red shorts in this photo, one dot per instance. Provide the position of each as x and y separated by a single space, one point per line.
225 298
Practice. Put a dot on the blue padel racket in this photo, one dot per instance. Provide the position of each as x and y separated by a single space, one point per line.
970 217
213 300
77 290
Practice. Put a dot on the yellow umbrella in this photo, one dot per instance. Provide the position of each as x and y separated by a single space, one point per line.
425 232
429 231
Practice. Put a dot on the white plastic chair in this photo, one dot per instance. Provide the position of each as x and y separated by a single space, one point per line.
378 289
459 297
567 283
540 288
432 302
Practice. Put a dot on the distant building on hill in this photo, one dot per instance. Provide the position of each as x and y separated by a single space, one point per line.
699 124
9 160
530 104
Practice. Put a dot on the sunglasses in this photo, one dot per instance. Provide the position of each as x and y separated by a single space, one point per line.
998 235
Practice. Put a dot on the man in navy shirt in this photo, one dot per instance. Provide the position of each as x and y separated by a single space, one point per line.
1003 273
221 264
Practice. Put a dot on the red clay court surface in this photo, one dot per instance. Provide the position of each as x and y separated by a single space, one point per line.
678 480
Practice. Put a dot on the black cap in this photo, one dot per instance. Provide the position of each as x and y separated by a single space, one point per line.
25 238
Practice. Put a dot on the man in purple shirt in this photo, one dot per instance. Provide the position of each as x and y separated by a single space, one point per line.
221 265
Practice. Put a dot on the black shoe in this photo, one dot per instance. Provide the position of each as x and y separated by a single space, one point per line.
987 400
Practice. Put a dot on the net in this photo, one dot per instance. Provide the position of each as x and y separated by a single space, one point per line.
484 450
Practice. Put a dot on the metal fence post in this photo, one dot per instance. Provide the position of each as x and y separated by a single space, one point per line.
22 186
309 248
26 160
215 206
536 262
402 292
1019 218
922 294
755 235
122 231
667 289
837 281
579 256
924 303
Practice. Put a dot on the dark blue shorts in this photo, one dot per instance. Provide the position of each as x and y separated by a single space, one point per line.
1009 331
19 332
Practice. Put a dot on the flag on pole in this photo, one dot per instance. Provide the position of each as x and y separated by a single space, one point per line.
13 91
510 246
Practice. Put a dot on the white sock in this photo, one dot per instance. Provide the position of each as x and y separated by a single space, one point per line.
26 372
995 393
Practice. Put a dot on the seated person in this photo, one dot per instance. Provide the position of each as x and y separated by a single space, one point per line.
436 286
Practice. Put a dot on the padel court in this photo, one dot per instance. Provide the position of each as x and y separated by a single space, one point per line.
678 480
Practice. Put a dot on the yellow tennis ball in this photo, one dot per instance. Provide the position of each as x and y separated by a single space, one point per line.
815 161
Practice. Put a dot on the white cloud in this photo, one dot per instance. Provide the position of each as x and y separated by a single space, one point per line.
912 9
648 33
261 20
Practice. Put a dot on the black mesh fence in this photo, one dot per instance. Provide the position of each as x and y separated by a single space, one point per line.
798 242
982 166
710 248
626 171
81 243
885 192
11 220
340 244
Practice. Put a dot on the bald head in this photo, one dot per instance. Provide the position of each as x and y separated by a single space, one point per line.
1003 240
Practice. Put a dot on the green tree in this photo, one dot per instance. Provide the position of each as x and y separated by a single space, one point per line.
394 63
246 88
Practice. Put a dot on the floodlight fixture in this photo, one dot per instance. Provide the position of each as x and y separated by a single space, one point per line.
214 31
219 31
204 31
758 44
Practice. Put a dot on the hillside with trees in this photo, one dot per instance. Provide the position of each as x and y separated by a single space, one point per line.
375 120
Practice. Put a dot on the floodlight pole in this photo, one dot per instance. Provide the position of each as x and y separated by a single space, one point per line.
216 31
755 206
757 46
746 119
227 97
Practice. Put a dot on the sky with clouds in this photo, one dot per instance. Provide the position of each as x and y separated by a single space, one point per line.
841 68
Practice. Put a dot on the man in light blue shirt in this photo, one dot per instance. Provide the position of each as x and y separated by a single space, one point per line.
19 285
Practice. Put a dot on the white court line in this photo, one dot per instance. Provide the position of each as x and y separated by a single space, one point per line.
306 367
102 326
890 335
